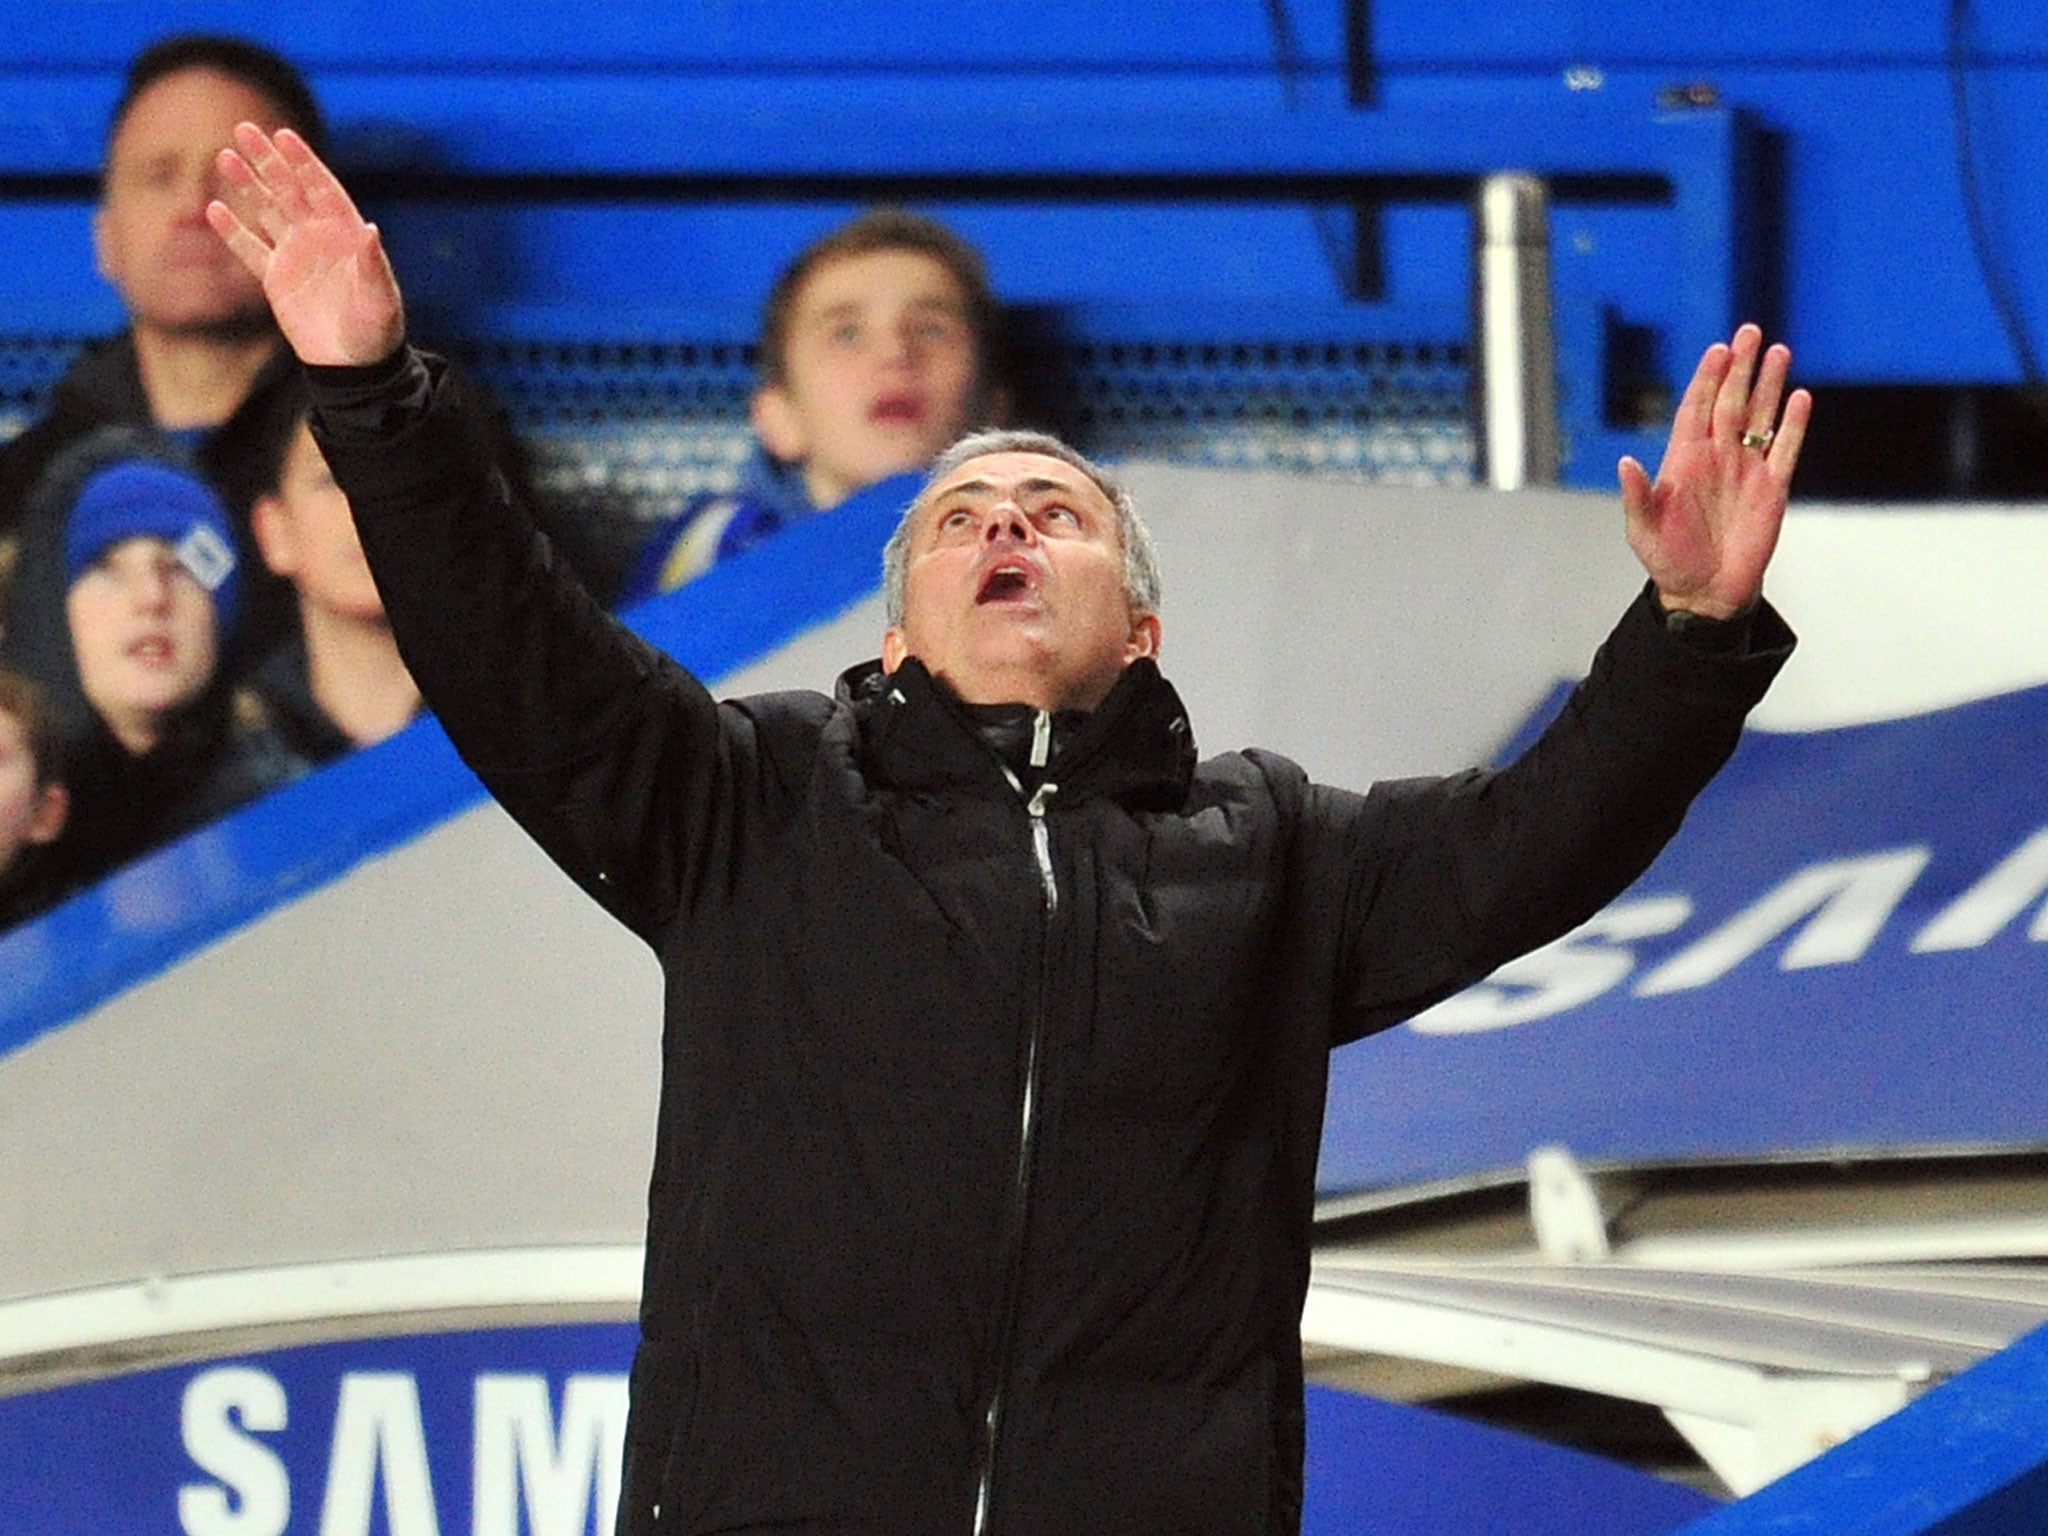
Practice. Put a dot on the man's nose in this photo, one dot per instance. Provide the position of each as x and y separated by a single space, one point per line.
1007 522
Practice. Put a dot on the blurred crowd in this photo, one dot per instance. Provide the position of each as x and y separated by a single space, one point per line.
186 618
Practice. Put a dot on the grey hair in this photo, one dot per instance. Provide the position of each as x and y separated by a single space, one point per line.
1141 559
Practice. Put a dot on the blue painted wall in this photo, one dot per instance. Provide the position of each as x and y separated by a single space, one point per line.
1861 247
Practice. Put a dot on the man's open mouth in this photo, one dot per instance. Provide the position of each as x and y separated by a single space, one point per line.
1005 581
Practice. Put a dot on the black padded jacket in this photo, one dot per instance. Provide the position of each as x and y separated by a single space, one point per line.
988 1124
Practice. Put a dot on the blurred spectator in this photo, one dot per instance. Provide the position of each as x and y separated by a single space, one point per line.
199 361
339 683
33 800
876 351
157 741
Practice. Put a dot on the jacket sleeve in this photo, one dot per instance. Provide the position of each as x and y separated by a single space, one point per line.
607 752
1443 880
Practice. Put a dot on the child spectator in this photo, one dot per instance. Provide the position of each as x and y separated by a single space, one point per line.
155 743
33 800
876 351
339 683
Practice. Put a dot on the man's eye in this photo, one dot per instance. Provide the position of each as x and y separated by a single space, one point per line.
958 518
1054 512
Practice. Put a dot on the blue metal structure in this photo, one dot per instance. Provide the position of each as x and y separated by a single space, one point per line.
1970 1459
1849 175
574 184
1840 955
1864 186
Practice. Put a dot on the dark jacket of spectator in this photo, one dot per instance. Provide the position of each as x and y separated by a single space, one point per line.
221 754
285 686
33 883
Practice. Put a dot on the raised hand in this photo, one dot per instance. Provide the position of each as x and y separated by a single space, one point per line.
1706 528
322 267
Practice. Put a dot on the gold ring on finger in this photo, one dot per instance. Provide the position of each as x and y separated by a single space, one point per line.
1756 439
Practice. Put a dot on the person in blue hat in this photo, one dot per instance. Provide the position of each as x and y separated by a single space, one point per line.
153 586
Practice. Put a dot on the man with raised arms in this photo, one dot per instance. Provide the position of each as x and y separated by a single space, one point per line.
997 1022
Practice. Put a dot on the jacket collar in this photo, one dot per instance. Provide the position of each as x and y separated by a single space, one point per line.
1136 749
775 485
104 382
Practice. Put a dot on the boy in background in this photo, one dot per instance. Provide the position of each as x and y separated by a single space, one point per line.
339 683
157 742
876 351
33 800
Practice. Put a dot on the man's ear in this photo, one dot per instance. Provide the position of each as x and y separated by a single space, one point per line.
895 649
1144 639
778 424
272 526
53 806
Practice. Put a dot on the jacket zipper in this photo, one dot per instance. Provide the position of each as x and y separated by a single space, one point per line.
1027 1138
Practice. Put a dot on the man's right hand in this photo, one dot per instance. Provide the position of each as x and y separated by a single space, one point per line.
322 267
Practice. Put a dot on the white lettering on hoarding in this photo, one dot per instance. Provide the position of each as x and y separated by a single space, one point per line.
1833 911
1982 912
530 1478
1846 903
518 1451
220 1415
1563 974
377 1426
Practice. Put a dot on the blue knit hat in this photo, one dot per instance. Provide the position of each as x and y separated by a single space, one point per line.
140 498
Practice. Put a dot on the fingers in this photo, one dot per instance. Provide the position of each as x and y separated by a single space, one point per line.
273 182
273 186
1636 495
1696 407
246 203
1784 451
321 188
248 247
1761 413
1731 400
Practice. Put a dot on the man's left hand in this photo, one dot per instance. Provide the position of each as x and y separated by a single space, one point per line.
1706 527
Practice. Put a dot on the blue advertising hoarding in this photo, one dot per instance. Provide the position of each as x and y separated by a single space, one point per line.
517 1431
1841 953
